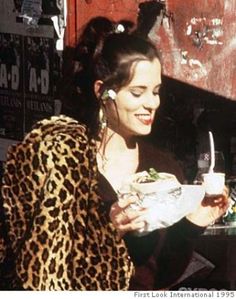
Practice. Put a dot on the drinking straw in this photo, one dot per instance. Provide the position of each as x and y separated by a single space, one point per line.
212 151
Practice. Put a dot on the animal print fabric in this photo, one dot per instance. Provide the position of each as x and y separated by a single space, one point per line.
58 233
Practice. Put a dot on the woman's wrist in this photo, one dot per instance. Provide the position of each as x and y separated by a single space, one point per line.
197 220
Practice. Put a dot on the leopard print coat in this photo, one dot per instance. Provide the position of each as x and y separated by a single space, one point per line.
58 234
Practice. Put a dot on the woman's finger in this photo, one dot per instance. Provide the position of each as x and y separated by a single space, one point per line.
124 216
126 199
217 200
131 226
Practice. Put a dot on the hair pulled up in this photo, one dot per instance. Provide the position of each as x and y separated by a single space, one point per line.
107 54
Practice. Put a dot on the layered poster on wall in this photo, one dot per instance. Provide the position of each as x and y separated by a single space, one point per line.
29 65
11 86
39 83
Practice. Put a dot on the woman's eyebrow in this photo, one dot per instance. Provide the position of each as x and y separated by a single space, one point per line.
144 86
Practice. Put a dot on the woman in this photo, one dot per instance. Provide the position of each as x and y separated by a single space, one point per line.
64 228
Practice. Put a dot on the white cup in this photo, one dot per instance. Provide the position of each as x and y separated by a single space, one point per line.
214 183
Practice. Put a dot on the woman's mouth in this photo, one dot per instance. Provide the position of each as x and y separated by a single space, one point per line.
145 119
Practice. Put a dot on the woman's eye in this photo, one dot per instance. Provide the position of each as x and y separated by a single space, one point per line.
136 93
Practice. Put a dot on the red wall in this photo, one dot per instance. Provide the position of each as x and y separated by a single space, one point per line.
79 12
196 38
199 45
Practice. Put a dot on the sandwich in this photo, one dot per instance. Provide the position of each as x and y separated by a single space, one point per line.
151 181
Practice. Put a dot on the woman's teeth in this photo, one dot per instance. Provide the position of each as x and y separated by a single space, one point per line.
145 119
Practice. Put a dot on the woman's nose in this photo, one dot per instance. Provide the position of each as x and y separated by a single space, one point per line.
152 101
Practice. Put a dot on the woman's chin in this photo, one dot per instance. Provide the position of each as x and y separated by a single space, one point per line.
144 132
135 132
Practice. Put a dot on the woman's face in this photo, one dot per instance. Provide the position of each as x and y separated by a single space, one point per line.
135 105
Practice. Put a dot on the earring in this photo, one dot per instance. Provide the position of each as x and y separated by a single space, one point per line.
108 94
102 119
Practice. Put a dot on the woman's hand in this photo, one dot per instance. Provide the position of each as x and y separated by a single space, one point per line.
126 219
210 209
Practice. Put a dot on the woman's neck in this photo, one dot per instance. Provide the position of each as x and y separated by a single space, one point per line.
113 151
112 143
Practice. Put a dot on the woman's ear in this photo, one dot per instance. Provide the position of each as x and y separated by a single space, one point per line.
97 88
